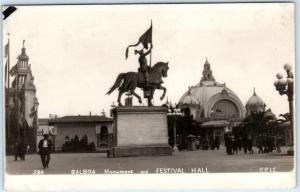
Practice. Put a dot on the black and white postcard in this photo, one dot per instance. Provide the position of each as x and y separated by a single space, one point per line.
149 96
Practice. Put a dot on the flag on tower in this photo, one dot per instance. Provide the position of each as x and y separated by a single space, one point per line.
6 56
145 39
13 70
6 50
6 73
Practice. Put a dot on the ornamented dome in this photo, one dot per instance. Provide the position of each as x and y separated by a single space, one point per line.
254 104
189 99
211 96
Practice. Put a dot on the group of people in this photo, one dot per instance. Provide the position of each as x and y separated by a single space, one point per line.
20 150
78 145
205 144
268 143
235 143
264 143
44 147
201 143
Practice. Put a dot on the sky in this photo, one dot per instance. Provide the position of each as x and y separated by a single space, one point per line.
76 52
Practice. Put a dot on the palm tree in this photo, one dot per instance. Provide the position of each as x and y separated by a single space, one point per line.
259 122
285 118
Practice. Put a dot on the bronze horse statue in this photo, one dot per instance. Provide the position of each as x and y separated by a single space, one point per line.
127 82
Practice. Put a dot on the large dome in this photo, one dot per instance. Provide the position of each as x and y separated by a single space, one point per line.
255 104
189 99
212 96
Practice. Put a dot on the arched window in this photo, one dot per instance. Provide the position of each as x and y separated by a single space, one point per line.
225 109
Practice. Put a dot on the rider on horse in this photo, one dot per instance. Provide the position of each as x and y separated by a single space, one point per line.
143 63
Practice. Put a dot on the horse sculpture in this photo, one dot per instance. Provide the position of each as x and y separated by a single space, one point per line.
127 82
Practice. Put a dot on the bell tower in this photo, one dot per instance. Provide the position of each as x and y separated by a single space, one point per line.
24 101
21 70
207 72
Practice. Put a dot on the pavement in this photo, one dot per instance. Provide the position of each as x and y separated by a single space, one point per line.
199 161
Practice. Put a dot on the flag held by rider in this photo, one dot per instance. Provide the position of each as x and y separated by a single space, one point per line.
145 39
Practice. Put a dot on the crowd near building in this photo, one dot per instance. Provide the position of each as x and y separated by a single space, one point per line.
214 110
210 111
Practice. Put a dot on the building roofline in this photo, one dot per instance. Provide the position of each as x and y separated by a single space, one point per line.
81 119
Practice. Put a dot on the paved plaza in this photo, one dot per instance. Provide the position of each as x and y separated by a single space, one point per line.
184 161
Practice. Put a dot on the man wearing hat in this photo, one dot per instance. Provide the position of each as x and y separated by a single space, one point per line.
45 150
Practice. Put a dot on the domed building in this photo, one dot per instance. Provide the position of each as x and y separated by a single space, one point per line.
213 105
255 104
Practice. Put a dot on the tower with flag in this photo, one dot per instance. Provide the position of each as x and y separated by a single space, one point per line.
21 102
7 88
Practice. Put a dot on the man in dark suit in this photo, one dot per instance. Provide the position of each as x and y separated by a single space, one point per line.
45 150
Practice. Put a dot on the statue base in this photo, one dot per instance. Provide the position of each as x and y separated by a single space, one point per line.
140 131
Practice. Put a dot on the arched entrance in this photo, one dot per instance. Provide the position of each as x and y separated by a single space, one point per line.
103 139
225 109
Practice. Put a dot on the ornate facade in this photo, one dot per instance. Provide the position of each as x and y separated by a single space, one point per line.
213 105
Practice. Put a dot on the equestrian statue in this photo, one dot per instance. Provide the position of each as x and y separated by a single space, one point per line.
147 78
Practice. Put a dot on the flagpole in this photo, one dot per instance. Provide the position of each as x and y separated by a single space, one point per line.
7 97
8 86
8 63
151 44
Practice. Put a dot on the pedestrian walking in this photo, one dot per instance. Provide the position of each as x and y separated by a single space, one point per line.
45 150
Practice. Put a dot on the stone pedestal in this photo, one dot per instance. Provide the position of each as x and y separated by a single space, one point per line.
140 131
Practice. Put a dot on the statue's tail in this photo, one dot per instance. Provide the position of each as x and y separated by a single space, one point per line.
117 83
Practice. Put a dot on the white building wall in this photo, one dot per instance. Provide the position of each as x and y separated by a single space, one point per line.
71 130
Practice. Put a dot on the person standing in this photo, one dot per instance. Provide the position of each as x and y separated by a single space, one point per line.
16 150
278 143
22 150
245 143
45 150
228 143
250 144
259 144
